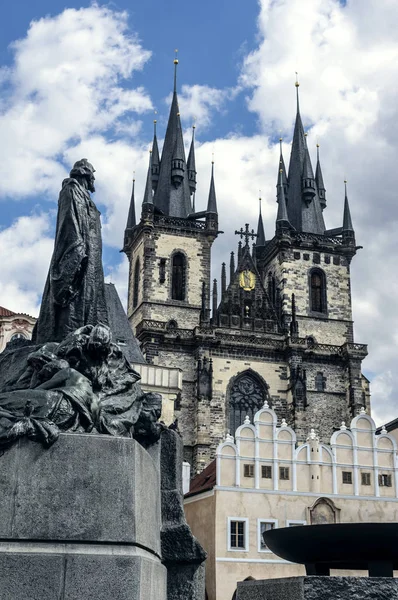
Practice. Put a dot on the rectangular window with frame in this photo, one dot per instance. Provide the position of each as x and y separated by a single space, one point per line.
347 476
237 535
266 471
385 480
248 470
365 478
264 526
284 473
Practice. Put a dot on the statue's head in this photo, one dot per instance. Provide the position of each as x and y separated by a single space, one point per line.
100 340
84 171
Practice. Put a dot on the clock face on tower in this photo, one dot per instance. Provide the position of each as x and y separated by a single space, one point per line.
247 280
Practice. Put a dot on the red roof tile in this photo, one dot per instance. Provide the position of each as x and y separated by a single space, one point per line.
4 312
204 481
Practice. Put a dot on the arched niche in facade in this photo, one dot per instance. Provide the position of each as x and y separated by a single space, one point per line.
323 511
246 394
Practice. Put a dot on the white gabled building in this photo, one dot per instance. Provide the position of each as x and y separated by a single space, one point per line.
261 480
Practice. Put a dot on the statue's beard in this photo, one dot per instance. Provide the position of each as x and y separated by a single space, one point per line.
91 188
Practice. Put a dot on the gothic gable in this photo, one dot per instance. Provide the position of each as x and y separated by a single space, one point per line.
245 304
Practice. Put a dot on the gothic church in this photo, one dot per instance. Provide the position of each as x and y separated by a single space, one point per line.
278 328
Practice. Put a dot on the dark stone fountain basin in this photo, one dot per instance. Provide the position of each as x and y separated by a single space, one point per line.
364 546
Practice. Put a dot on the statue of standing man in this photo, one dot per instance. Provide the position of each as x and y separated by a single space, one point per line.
74 294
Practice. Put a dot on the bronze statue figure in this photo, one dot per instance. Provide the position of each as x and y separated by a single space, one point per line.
74 294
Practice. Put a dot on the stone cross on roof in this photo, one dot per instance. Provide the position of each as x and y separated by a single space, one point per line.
245 233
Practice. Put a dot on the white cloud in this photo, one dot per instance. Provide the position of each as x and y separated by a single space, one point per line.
65 86
198 103
25 250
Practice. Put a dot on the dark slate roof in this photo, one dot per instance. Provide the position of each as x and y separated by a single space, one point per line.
212 202
120 326
171 200
204 481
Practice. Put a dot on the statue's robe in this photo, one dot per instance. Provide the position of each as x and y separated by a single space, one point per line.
74 294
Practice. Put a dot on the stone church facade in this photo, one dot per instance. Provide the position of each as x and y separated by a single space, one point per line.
278 328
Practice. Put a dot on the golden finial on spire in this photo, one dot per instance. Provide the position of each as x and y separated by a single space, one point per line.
297 81
155 113
212 158
281 171
175 57
133 176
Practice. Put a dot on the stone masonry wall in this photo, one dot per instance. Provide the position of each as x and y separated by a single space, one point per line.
292 268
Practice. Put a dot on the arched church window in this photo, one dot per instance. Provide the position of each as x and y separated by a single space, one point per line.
178 276
136 282
318 291
247 395
17 336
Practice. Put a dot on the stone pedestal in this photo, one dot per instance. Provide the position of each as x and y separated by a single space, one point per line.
80 521
320 588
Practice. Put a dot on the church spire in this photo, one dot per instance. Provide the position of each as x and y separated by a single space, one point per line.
260 229
304 209
319 181
172 196
192 164
155 159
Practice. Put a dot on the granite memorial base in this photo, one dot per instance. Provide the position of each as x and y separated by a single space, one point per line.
320 588
80 521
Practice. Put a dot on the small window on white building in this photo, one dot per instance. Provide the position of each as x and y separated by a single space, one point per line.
347 476
385 480
238 534
264 525
284 473
248 470
266 471
365 478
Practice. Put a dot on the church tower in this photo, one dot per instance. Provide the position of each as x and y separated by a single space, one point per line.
276 328
169 252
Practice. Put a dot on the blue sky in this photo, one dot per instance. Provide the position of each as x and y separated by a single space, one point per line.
80 79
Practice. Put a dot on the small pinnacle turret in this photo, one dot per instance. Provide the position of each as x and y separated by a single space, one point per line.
212 202
282 166
308 179
155 159
319 181
131 221
260 229
348 229
282 220
192 164
148 199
